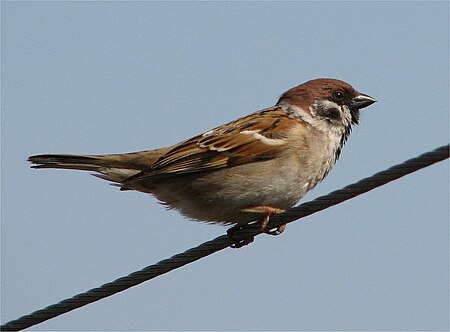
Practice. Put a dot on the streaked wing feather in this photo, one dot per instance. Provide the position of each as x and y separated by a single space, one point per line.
253 138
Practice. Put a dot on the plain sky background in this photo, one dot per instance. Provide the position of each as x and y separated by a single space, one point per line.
106 77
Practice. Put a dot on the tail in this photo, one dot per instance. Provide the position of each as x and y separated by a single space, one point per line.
113 167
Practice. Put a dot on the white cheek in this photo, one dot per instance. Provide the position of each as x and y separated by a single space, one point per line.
326 104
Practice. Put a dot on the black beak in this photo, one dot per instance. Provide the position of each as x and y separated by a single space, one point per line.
362 100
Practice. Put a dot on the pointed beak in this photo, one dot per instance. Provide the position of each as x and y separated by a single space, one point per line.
362 100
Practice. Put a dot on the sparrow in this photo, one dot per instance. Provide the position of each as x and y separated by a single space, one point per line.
245 170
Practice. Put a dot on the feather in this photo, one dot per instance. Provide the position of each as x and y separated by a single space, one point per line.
258 136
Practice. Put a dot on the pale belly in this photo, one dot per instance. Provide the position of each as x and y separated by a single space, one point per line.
223 195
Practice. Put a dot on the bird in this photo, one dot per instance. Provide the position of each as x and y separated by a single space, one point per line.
243 171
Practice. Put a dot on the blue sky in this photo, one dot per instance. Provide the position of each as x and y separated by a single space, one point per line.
106 77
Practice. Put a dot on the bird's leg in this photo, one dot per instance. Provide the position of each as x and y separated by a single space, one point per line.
268 212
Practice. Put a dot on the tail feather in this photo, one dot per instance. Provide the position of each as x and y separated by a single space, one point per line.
65 161
113 167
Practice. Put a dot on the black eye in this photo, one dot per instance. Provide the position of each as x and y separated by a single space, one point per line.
339 95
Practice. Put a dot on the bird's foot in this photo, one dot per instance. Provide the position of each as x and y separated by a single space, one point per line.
268 212
264 224
276 231
239 241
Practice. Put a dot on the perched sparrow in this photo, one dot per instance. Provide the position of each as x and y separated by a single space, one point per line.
245 170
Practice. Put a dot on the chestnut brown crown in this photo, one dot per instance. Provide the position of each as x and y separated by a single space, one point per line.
340 92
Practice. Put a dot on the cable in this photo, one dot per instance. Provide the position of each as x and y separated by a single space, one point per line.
225 241
119 285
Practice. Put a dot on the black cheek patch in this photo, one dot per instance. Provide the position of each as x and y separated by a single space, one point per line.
330 113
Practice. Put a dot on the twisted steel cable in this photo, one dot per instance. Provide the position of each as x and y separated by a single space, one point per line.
224 241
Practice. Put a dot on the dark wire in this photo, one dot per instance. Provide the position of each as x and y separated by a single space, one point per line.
224 241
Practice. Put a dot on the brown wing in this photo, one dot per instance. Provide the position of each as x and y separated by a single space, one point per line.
258 136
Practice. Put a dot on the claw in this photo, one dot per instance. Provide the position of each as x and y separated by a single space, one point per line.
238 242
268 212
277 231
264 224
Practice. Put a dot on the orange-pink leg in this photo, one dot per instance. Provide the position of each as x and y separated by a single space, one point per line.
268 212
